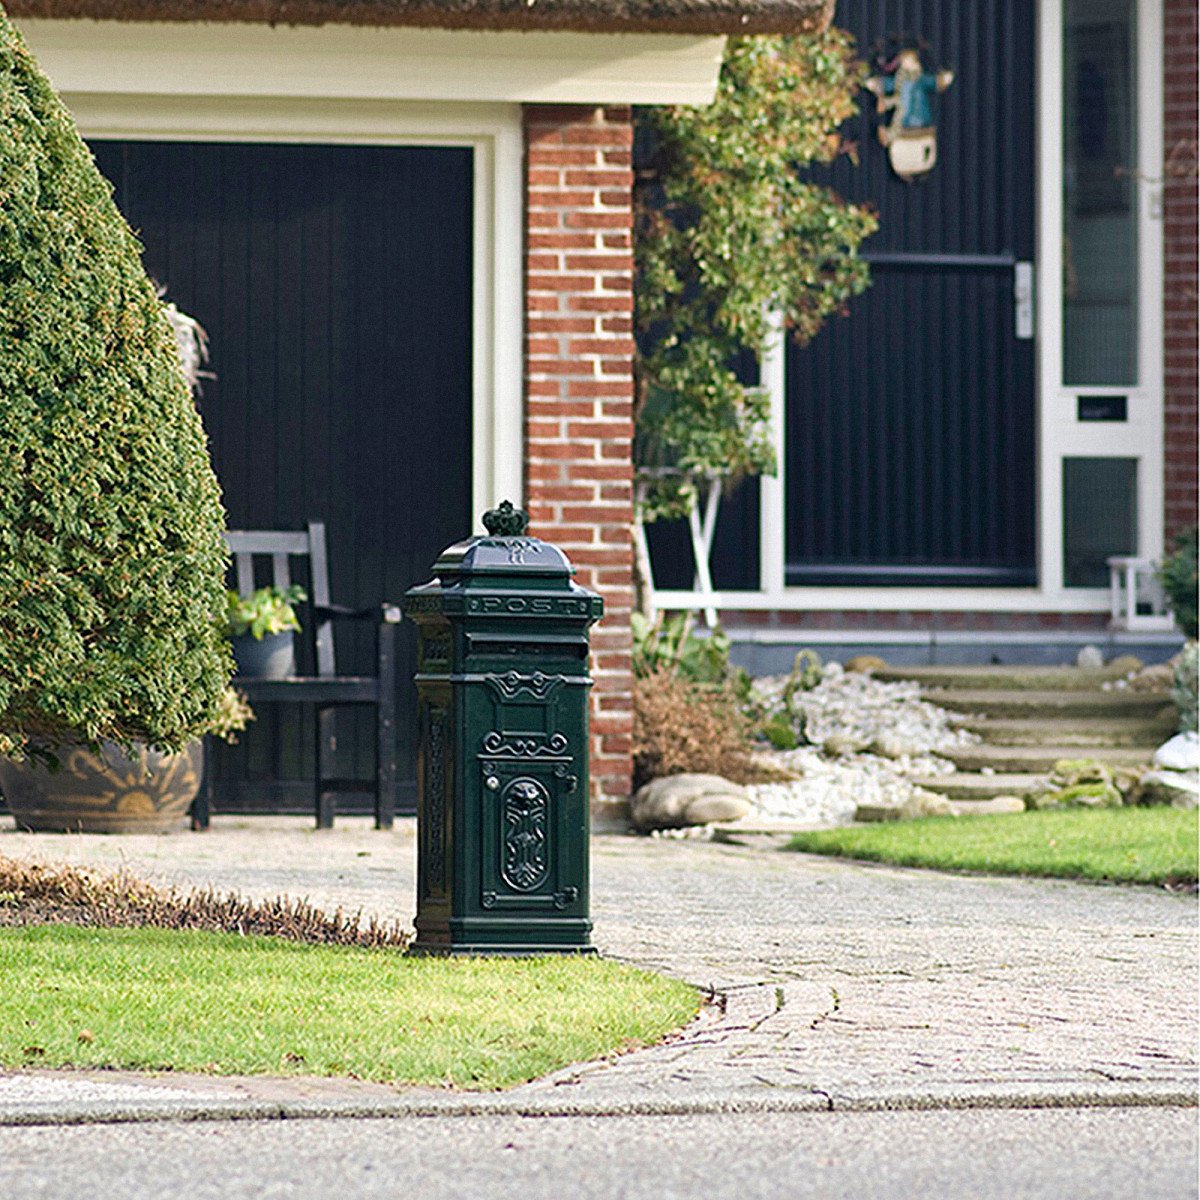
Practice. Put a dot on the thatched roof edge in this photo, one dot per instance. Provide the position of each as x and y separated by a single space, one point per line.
586 16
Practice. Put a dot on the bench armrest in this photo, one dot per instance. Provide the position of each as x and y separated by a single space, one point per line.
389 614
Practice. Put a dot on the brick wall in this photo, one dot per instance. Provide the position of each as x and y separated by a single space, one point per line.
579 386
1180 298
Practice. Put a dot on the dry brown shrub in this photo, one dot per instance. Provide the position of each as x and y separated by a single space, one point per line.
683 726
38 893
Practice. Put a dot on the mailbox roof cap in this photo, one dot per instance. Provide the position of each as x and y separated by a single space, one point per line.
507 559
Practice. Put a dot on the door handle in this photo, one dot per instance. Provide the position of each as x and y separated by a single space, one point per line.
1023 300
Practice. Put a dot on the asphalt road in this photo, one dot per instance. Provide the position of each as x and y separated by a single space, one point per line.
1048 1154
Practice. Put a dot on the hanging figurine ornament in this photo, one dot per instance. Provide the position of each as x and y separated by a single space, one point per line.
908 91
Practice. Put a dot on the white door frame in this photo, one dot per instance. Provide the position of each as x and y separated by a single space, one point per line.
1059 432
491 131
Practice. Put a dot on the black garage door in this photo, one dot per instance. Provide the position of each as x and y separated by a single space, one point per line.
335 286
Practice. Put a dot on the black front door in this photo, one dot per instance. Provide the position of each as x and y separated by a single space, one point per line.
335 286
911 424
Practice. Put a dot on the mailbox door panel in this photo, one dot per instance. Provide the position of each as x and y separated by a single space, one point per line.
531 820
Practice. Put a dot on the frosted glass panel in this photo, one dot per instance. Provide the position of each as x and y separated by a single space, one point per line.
1099 194
1099 517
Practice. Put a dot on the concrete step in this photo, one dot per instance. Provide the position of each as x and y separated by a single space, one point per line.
1005 759
985 808
1008 678
990 702
966 807
1094 732
968 785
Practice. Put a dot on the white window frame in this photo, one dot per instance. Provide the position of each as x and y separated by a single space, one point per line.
1059 433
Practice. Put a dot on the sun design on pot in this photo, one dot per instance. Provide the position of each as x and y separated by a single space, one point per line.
115 783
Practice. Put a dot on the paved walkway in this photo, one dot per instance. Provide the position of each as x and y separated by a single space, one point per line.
842 986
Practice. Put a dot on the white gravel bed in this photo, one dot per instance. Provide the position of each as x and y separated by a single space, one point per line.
871 739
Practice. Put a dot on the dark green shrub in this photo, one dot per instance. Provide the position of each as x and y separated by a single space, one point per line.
111 558
1179 580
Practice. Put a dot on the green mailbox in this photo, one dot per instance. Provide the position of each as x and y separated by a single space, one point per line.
502 751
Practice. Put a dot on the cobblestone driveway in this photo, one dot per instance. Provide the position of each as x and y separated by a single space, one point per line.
839 980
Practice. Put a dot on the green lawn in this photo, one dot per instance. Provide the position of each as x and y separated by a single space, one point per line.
161 999
1127 845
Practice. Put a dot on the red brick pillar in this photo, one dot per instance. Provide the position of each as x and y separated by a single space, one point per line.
1180 267
579 387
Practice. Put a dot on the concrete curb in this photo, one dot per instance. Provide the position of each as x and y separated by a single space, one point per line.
1058 1096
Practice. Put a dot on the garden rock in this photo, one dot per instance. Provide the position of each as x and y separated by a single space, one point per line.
838 779
838 745
675 801
1125 664
997 805
1176 789
1090 658
1181 753
924 803
1077 783
890 746
1079 795
865 663
1175 779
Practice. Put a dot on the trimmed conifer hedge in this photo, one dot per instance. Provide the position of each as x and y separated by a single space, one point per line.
111 557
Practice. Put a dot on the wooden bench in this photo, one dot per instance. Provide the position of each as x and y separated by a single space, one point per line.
326 690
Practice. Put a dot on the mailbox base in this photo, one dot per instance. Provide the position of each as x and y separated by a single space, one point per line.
482 935
491 950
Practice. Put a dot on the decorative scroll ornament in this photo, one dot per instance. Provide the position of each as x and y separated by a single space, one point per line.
435 801
522 745
524 815
506 521
513 684
908 91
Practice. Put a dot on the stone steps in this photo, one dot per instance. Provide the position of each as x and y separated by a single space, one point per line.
967 807
990 702
1030 717
1103 732
1010 678
973 785
970 785
1041 758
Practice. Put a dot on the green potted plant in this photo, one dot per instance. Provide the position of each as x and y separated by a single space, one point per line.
262 629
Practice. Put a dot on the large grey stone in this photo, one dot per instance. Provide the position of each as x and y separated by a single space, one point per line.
691 799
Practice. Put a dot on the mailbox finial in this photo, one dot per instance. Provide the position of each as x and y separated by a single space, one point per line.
506 521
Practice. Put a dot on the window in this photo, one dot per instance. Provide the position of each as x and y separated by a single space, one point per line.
1099 517
1100 198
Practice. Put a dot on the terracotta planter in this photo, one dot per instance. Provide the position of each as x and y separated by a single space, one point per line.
107 793
269 657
